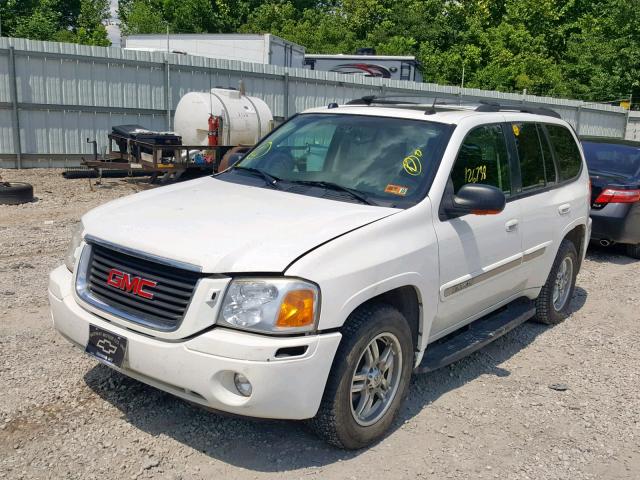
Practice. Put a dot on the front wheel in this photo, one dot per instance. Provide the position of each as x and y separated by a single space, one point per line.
369 378
552 305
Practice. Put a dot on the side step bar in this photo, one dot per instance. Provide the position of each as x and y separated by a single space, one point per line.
479 333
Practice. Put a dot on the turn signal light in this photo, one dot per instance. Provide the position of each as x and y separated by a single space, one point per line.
614 195
485 212
297 309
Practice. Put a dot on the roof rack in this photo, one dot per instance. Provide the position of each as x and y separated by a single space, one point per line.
369 99
497 107
431 108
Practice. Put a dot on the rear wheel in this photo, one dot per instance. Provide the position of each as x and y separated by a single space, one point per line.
369 378
633 251
552 305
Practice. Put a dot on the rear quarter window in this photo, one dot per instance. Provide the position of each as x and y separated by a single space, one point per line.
566 150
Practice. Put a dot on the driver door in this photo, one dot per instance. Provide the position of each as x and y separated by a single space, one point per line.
480 255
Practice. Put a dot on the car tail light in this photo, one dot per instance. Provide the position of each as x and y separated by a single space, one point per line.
614 195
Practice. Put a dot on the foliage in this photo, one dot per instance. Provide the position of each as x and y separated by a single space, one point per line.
588 49
78 21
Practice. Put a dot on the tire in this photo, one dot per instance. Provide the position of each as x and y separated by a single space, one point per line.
633 251
549 310
337 420
15 193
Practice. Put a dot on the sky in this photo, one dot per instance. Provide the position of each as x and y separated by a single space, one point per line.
113 29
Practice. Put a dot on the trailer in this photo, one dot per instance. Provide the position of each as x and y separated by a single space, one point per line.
266 49
381 66
210 126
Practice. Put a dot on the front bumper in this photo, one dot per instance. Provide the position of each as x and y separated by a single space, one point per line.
617 222
201 369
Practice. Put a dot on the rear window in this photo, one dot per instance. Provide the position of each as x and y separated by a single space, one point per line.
567 151
532 165
613 158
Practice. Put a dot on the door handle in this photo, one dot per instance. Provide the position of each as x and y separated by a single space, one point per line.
564 209
511 225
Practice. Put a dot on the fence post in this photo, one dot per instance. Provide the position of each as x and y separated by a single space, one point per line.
578 114
167 93
626 120
13 91
285 99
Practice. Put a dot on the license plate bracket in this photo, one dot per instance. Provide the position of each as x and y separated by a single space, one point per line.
106 346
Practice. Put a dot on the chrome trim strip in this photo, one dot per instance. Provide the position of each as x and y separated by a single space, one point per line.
143 255
481 277
463 285
532 255
83 292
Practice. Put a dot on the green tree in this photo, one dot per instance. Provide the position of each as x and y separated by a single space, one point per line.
79 21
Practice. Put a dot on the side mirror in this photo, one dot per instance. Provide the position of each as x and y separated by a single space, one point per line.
477 199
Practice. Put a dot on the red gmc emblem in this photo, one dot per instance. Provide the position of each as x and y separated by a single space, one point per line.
124 281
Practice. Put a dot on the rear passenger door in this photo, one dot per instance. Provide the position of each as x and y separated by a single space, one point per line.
480 255
542 204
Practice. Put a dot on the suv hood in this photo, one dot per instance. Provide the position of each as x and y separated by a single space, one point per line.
224 227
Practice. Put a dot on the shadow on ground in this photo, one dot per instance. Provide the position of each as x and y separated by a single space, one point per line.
272 446
615 254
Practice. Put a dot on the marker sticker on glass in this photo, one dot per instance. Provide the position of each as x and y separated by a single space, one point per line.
261 151
516 130
412 164
396 189
475 175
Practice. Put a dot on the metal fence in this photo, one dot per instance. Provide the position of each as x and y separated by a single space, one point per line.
633 126
53 96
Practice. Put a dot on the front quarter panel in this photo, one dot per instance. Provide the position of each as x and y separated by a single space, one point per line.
399 250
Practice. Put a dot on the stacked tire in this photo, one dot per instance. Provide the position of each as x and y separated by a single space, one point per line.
15 193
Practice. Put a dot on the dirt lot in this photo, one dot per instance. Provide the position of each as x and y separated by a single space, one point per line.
492 415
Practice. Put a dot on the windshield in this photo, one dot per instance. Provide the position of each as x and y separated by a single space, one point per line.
377 160
614 158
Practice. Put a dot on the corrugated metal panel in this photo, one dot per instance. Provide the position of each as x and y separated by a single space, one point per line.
600 123
6 132
77 83
5 94
633 127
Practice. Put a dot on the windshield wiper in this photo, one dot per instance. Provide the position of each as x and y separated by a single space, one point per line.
267 177
334 186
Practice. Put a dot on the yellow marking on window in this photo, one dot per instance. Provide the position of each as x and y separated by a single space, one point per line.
261 151
475 175
412 164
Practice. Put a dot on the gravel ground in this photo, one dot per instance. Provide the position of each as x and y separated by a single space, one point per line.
492 415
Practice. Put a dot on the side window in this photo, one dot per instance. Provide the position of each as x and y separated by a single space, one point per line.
567 152
550 173
483 159
532 165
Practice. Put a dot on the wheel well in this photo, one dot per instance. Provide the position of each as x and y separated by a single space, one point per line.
406 301
576 236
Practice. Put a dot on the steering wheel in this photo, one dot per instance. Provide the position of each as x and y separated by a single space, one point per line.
279 162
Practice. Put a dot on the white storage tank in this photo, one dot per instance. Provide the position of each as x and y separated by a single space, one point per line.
244 119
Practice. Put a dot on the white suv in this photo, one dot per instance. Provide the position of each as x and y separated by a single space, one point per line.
345 252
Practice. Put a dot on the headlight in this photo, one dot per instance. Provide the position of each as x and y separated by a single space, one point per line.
278 305
72 252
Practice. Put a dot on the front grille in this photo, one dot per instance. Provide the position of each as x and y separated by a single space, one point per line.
171 294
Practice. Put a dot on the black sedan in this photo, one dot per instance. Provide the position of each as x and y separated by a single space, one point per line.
614 168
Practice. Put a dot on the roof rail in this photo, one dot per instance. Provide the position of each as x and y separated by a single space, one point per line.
369 99
497 107
484 106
